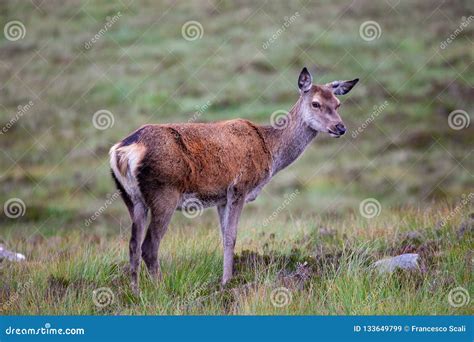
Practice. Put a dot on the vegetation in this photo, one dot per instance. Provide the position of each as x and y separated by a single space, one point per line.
306 232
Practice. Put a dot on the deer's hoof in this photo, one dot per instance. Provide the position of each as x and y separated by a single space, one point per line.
225 282
135 289
156 276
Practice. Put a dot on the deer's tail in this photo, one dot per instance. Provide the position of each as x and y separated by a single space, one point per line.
124 162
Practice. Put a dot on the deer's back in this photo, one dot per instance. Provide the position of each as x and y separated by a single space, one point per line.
201 159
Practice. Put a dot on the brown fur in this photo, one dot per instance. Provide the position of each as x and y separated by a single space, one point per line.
203 158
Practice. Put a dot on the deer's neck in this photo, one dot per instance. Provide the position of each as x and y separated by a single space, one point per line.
288 143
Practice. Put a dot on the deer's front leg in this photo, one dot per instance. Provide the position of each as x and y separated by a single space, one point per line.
229 218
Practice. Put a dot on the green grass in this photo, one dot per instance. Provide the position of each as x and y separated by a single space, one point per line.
142 70
66 268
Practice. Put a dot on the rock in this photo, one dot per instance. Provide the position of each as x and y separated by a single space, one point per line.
9 255
407 261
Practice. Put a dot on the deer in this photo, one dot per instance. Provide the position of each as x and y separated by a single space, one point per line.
160 167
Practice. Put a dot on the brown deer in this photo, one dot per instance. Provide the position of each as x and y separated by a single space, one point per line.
160 168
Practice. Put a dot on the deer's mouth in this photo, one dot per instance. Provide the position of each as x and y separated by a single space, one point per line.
334 134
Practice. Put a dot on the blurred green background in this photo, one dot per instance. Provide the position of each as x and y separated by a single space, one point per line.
137 62
143 70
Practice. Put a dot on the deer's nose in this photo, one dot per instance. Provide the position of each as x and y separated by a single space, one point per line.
340 128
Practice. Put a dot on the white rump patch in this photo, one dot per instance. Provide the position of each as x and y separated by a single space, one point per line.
130 157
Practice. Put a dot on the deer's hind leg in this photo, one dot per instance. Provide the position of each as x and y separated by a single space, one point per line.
162 204
139 218
138 213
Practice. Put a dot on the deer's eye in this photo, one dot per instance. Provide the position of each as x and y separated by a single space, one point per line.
338 105
316 104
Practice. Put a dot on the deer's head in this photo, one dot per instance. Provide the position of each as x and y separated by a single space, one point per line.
320 105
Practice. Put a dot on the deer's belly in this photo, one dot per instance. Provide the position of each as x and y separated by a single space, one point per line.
252 194
191 202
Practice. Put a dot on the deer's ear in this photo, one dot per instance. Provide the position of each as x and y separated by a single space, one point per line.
342 87
305 80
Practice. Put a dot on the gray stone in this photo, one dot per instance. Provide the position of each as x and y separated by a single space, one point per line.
407 261
10 255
